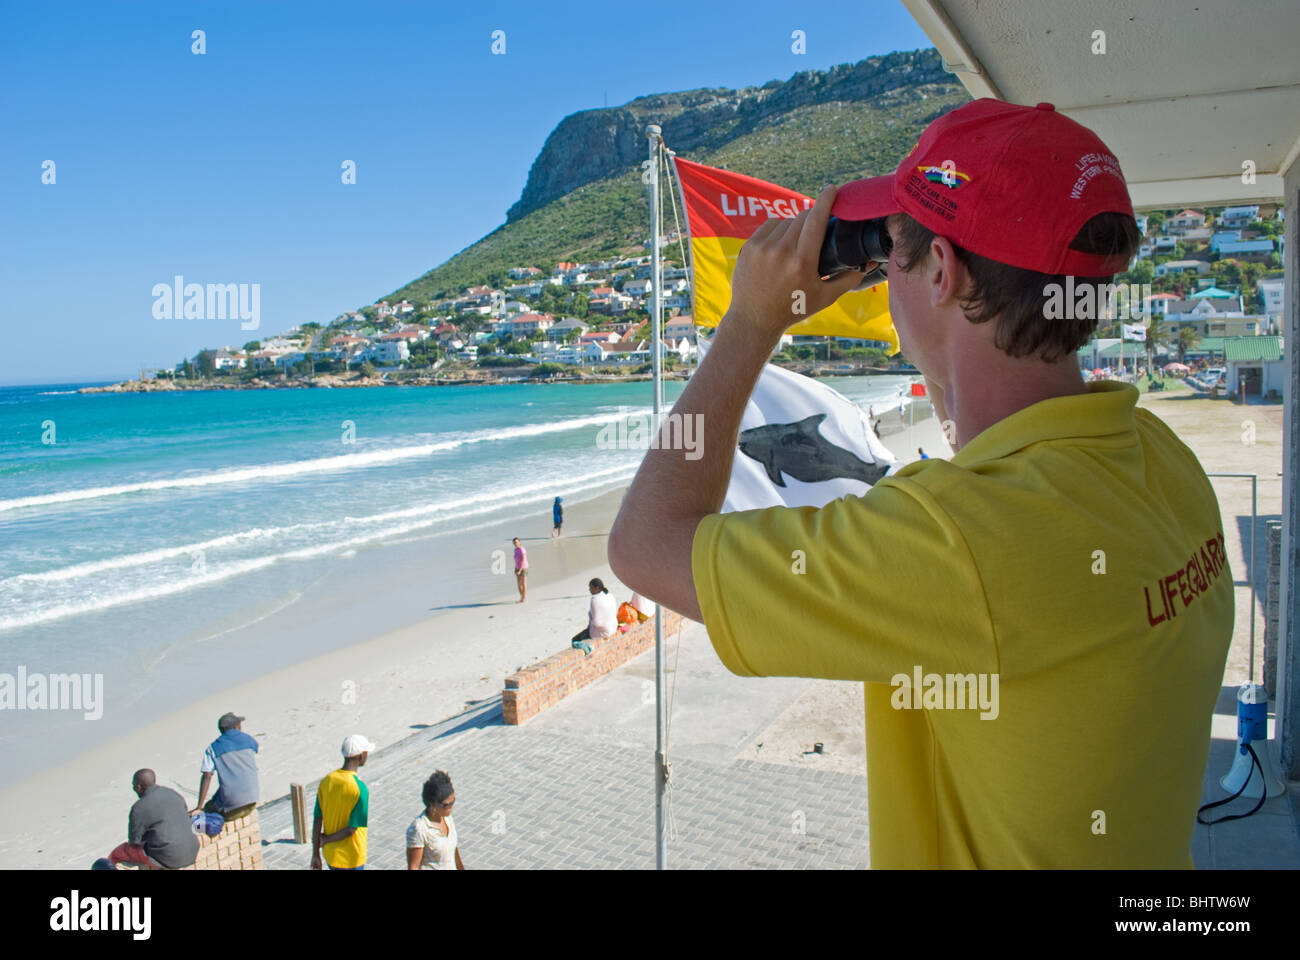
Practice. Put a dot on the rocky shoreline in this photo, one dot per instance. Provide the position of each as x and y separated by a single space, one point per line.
329 381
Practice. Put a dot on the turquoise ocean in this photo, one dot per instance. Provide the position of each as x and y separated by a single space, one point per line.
139 530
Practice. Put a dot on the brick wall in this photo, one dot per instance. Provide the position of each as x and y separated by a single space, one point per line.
237 847
547 682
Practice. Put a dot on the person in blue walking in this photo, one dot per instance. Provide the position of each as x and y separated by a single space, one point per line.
557 516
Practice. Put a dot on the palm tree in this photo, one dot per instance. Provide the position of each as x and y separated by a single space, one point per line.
1187 338
1157 337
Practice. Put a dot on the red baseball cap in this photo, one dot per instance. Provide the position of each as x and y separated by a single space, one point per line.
1005 181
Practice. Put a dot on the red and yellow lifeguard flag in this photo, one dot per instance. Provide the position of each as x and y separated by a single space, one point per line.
723 209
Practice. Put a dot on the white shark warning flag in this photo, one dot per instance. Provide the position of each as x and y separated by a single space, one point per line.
802 444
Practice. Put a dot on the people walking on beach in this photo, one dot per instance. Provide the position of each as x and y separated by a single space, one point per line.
521 570
602 617
233 758
338 829
923 454
431 842
557 517
977 572
159 834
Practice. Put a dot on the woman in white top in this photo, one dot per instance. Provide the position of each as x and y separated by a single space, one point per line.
431 840
602 617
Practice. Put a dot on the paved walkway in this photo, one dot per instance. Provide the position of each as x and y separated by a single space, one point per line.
573 788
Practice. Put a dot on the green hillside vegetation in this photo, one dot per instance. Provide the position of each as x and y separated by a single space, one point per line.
802 149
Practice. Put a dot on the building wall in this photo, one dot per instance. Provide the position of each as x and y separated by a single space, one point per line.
1288 681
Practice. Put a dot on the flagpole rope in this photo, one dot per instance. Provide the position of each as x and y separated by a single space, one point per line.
677 225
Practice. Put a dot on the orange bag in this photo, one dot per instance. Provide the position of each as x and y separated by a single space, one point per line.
627 613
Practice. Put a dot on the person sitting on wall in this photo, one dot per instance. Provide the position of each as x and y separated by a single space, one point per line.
602 617
159 835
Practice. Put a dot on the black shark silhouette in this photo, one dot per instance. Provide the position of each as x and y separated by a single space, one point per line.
800 450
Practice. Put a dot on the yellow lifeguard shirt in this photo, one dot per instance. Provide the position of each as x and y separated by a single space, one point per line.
1068 563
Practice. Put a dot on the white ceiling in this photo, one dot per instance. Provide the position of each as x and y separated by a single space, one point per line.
1186 91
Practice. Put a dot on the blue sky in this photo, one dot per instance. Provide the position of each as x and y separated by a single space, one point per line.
225 167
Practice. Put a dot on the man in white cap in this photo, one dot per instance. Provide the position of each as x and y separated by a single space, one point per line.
342 803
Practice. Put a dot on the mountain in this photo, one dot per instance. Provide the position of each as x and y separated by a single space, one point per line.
584 198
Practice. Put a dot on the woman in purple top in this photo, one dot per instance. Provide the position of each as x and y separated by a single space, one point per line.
521 570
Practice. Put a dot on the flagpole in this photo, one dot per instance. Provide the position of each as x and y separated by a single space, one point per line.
655 135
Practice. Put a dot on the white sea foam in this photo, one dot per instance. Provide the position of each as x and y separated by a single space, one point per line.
280 471
415 519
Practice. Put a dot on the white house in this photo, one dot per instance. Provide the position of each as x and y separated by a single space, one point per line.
1238 216
224 359
597 352
388 352
1164 244
523 273
1270 295
1185 220
679 328
638 288
533 289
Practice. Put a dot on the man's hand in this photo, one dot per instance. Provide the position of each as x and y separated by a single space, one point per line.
316 862
776 283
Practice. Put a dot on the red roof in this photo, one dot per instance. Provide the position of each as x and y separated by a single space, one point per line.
601 291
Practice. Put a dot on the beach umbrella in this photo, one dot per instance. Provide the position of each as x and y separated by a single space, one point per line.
1177 368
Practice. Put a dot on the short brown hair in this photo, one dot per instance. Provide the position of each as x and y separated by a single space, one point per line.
1016 298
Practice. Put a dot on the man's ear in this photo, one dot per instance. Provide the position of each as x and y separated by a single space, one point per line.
945 272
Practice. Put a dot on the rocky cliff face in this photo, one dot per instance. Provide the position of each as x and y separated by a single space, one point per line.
595 144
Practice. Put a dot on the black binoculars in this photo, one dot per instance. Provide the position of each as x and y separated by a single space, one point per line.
852 245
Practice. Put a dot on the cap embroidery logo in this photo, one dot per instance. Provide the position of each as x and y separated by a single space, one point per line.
948 176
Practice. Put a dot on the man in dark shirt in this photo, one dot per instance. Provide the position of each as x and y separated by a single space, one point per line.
159 832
